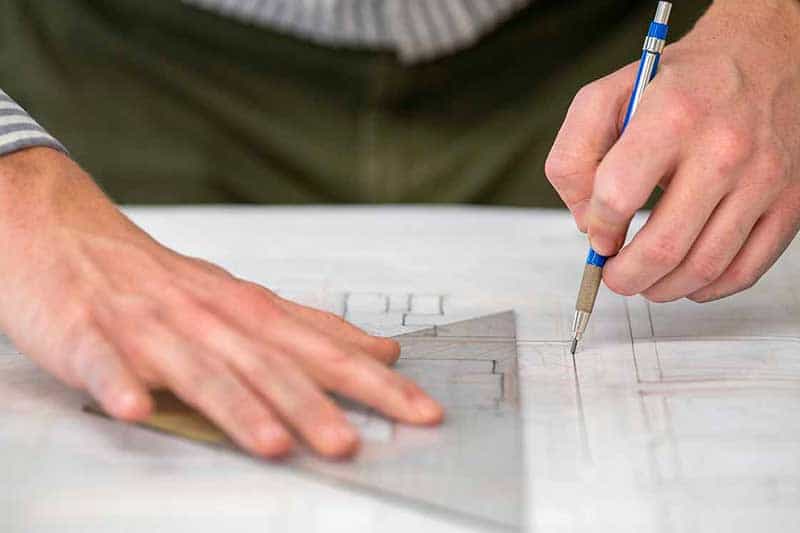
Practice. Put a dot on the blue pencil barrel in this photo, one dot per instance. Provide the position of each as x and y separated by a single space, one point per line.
651 56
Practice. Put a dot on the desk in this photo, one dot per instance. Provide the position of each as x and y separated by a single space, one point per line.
672 418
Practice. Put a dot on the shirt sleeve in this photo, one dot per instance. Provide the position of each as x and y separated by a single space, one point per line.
18 130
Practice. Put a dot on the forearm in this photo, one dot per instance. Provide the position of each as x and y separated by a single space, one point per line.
39 183
46 195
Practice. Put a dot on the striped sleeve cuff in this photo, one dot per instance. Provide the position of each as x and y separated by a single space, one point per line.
18 130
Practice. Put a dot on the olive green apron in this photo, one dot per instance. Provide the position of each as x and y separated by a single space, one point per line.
165 103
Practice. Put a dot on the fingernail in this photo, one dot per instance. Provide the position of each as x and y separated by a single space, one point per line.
274 438
130 405
602 244
340 440
348 437
428 409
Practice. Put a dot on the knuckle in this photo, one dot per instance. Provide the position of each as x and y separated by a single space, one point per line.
209 331
246 290
706 268
732 146
739 234
591 95
338 358
743 279
338 369
563 168
391 380
145 312
243 407
308 408
617 284
81 322
82 316
170 290
562 163
611 202
681 112
79 341
210 267
79 362
662 251
558 166
256 298
332 318
773 166
209 386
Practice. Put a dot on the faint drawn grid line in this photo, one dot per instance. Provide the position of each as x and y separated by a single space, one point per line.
581 415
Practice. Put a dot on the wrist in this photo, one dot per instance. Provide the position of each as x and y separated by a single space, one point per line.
29 182
42 189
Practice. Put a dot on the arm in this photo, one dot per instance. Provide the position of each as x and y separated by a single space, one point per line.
719 130
104 307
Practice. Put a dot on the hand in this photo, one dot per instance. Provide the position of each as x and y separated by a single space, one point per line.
719 130
104 307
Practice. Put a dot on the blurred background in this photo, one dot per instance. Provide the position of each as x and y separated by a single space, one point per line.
163 102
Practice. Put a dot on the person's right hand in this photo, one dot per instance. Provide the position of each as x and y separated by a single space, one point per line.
718 130
104 307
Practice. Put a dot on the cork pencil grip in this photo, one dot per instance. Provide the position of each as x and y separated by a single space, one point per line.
592 276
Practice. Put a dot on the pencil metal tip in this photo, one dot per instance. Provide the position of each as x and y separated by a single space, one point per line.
574 346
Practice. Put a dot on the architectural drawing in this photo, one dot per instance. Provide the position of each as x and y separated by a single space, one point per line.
471 469
675 418
691 425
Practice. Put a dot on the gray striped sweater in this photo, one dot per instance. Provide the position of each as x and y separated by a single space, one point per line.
18 130
417 30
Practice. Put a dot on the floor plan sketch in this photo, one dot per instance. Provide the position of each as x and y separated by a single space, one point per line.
695 428
472 467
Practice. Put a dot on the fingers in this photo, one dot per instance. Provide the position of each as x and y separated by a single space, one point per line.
590 129
256 365
107 378
252 305
347 370
715 248
670 232
770 237
338 366
207 384
299 402
275 376
383 349
367 381
644 155
277 379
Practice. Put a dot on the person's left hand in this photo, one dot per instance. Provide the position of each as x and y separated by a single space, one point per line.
103 306
719 130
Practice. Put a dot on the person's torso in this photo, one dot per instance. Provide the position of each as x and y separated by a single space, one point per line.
416 30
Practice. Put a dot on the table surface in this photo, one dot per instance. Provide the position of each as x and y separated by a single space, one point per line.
672 418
